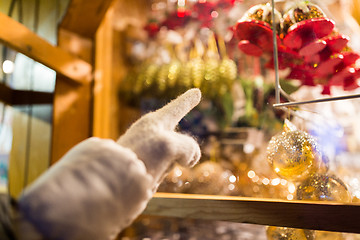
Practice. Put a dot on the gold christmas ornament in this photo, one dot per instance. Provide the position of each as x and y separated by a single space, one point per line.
178 180
284 233
228 74
325 235
210 178
211 77
185 80
197 71
162 77
174 73
228 71
139 81
294 154
323 187
149 74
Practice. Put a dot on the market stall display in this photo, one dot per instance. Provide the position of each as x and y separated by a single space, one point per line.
311 50
225 48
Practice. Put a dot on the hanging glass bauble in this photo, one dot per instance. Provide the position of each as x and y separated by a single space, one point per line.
294 155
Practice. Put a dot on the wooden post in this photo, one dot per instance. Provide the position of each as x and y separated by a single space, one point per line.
111 118
72 117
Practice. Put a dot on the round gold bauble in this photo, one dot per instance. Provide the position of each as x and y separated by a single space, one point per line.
294 155
323 187
285 233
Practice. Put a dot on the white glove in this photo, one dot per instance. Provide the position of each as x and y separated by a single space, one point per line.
100 186
154 141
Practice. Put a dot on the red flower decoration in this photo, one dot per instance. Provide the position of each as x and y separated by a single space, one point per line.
255 37
326 90
305 35
152 28
314 52
347 78
176 20
202 11
286 58
303 74
225 4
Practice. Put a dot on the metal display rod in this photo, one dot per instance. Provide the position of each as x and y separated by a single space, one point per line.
290 104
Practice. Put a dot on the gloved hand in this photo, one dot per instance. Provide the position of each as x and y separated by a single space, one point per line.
154 141
100 186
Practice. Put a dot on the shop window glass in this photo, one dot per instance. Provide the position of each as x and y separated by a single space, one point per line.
25 128
225 48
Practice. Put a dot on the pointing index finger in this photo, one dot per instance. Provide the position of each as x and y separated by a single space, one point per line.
171 114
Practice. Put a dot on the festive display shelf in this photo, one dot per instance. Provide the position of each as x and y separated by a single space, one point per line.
330 216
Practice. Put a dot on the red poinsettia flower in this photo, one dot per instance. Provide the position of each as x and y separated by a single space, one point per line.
225 4
307 32
255 37
287 58
350 83
177 19
303 74
347 78
152 29
202 11
326 90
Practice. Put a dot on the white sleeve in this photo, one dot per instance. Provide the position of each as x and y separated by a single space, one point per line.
94 191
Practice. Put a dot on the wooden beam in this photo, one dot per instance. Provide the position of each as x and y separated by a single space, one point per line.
20 38
83 17
72 112
274 212
355 10
5 94
71 116
21 97
103 84
110 117
76 45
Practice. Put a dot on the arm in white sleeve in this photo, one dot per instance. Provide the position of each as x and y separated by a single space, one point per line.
100 186
100 194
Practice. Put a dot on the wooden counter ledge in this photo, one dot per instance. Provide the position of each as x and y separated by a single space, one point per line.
328 216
